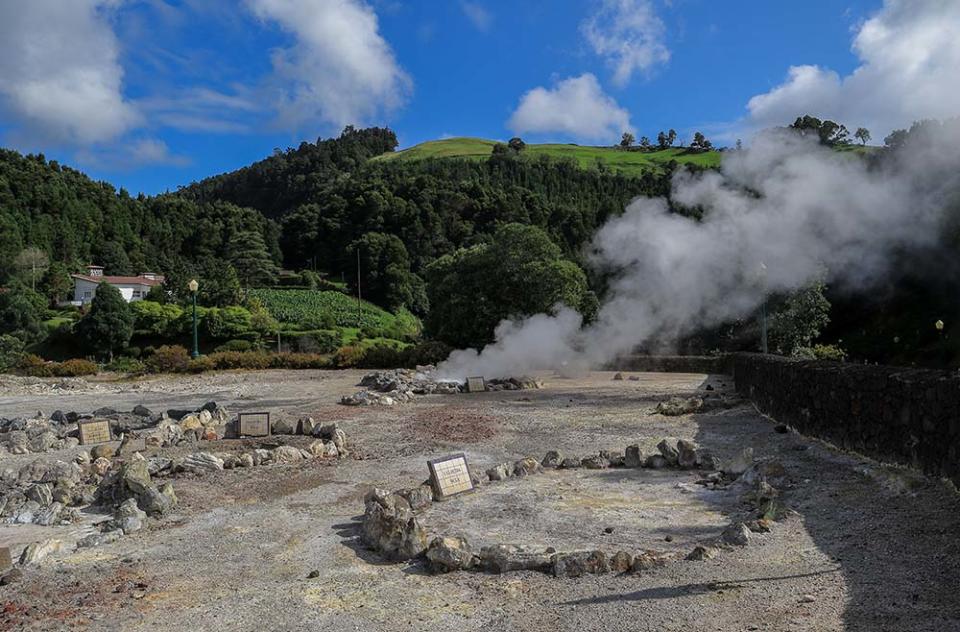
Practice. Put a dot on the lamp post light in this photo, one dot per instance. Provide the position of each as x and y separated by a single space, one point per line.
762 275
194 286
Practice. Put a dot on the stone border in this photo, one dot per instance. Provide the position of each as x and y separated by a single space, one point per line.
392 528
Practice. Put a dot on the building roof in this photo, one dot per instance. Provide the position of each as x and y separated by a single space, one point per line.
121 280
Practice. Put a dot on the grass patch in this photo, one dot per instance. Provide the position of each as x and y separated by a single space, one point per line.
632 163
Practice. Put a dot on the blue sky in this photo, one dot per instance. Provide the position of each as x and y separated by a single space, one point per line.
152 94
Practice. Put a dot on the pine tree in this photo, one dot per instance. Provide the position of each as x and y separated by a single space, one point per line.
251 259
108 326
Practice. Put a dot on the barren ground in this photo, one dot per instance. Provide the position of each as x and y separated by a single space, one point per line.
871 548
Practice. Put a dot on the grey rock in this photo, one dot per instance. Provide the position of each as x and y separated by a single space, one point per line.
58 417
500 472
648 560
12 576
283 426
451 554
656 462
598 462
579 563
38 551
390 527
203 462
702 552
570 463
142 411
678 406
104 411
737 534
158 464
618 377
287 454
306 425
26 512
621 562
668 451
552 459
99 539
418 497
503 558
687 454
526 466
18 443
633 457
49 516
42 493
128 517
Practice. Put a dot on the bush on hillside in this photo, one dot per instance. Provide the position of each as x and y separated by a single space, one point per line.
34 366
234 345
169 359
125 364
73 368
11 350
348 357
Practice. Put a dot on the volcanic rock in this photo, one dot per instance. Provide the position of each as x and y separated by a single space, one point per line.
552 459
633 457
502 558
579 563
451 554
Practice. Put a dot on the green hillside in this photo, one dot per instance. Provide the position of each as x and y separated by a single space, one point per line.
627 162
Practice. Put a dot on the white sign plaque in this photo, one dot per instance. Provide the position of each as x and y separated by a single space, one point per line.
449 476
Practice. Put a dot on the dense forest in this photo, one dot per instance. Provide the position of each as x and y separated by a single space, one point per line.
423 231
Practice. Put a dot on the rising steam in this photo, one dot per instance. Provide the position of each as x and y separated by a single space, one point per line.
774 218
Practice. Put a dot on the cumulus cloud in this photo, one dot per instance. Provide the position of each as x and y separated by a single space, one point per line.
629 35
909 55
576 106
477 14
60 77
340 70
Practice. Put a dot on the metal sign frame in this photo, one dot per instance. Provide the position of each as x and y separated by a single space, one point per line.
471 381
6 561
90 435
447 472
252 418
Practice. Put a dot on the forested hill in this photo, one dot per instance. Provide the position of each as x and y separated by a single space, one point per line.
327 195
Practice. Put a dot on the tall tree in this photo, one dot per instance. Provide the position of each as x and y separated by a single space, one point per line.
251 259
108 326
516 144
627 140
56 283
31 263
114 259
19 316
863 135
385 273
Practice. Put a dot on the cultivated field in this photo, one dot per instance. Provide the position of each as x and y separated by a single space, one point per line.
633 163
862 547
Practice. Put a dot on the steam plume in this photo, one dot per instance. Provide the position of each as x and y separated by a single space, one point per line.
774 218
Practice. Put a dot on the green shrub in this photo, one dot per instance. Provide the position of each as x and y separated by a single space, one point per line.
34 366
348 357
132 352
299 361
157 319
430 352
169 359
381 356
126 365
148 351
73 368
821 352
201 364
235 345
11 351
227 322
241 360
321 341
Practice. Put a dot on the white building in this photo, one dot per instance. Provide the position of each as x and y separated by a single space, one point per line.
132 288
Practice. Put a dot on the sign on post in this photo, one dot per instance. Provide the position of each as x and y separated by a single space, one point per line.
449 476
94 431
476 385
253 424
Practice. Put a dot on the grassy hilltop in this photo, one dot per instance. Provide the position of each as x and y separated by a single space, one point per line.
631 163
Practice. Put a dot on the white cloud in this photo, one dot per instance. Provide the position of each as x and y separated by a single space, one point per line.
131 154
909 58
576 106
60 78
340 70
629 35
477 14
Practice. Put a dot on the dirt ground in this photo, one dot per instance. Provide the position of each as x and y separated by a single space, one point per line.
870 548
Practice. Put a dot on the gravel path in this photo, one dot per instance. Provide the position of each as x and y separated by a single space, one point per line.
871 548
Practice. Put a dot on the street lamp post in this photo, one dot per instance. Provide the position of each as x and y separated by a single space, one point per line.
194 286
763 307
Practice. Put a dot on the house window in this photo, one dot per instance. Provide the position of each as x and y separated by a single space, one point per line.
136 294
87 294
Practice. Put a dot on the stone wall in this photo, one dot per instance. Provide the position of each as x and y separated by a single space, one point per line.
895 414
672 364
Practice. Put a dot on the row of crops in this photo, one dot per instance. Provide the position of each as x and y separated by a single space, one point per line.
316 309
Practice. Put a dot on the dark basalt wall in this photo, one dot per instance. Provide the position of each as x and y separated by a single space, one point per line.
894 414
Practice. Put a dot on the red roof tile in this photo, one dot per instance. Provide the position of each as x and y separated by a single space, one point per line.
121 280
